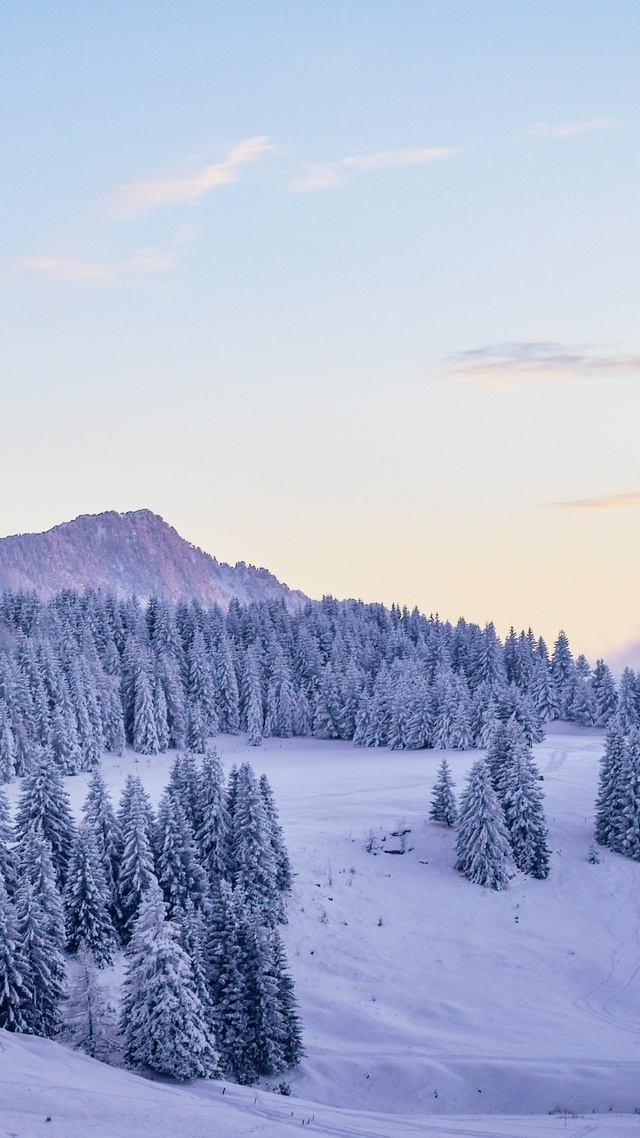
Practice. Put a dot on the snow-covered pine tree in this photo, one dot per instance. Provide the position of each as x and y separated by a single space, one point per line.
610 800
35 865
44 806
563 672
628 715
163 1022
145 735
225 970
443 800
253 865
8 862
213 833
292 1047
179 873
89 1018
252 697
184 784
15 993
482 846
42 953
628 838
524 814
264 1045
604 693
191 924
136 870
8 755
87 900
276 836
100 818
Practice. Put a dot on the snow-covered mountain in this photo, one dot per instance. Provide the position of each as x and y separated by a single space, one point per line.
133 553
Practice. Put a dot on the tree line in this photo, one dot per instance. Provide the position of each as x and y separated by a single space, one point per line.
194 893
86 672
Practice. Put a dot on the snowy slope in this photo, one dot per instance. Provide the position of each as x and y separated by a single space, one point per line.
48 1092
134 553
462 1002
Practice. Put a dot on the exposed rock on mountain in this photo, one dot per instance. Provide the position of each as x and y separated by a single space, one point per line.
133 553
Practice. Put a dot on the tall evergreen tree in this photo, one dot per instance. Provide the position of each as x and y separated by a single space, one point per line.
178 870
136 867
276 836
610 800
162 1021
44 806
41 951
524 814
101 820
482 846
15 993
212 836
8 863
87 902
443 801
253 864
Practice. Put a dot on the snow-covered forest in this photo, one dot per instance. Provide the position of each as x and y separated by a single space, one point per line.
83 673
195 894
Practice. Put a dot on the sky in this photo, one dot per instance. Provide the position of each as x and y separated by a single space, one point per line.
349 290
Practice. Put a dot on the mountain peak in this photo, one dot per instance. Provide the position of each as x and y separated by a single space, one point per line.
137 552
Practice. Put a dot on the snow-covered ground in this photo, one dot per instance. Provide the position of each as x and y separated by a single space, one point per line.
423 997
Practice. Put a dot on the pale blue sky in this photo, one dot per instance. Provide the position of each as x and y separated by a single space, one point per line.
346 289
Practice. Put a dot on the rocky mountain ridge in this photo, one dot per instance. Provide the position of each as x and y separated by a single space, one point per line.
131 553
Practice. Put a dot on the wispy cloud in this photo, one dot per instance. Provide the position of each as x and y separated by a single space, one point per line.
573 129
135 198
501 367
99 267
606 502
326 175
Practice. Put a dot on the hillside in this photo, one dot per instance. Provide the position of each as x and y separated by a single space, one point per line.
463 1012
133 553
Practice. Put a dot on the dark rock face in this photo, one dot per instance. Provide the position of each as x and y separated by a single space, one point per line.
126 554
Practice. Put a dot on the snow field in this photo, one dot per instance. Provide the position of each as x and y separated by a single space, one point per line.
462 1001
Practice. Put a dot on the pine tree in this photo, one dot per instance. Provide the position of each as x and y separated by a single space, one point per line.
41 950
101 820
145 735
524 814
136 867
163 1022
212 836
563 672
35 865
443 801
184 784
15 993
604 693
253 865
86 902
8 863
44 806
292 1047
178 870
628 837
610 800
482 846
276 836
225 966
89 1018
